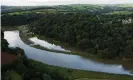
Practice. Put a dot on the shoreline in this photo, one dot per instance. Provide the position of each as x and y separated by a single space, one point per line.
74 51
79 74
125 63
103 61
26 40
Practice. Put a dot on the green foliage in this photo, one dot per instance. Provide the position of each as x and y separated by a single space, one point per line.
19 19
46 77
32 71
19 51
39 71
103 35
12 75
120 12
4 43
74 8
5 48
73 74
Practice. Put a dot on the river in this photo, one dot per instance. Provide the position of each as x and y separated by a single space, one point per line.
60 59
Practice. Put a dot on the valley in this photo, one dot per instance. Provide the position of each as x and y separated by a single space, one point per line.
71 42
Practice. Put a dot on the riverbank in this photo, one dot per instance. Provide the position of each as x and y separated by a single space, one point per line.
7 58
58 72
79 74
74 51
124 63
25 39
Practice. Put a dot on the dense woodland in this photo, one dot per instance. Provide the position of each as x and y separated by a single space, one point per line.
21 19
109 36
106 35
84 27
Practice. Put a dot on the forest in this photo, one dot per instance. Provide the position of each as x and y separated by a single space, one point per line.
105 31
108 36
19 19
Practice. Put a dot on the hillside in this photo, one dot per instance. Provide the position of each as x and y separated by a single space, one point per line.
87 8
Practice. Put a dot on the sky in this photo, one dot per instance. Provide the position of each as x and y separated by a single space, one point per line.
61 2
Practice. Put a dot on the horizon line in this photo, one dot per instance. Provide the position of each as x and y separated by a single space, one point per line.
71 4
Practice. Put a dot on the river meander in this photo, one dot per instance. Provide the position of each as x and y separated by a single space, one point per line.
60 59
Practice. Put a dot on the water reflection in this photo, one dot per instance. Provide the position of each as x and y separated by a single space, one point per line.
47 45
60 59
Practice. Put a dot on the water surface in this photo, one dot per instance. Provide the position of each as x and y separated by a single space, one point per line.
60 59
47 45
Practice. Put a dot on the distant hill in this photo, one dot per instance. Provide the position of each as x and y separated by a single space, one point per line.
89 8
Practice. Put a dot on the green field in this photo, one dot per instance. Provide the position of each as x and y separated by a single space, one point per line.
120 12
88 8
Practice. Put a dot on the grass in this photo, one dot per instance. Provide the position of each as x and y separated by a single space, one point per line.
14 75
79 74
120 12
39 11
88 79
19 13
126 5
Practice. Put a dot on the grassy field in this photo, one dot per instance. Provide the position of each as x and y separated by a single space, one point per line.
40 11
120 12
89 79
